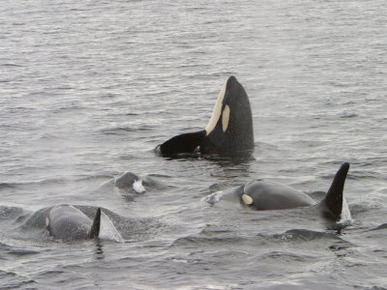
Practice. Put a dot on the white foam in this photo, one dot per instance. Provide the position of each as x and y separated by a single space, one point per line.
345 213
213 197
108 231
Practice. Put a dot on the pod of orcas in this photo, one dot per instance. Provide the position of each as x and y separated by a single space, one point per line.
69 223
229 133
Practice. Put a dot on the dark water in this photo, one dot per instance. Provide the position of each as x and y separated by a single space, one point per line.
89 88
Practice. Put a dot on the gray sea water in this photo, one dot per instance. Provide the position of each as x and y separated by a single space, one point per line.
89 88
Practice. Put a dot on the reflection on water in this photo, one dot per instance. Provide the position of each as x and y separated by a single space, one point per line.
98 253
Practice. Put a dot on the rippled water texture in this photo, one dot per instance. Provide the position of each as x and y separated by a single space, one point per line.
90 88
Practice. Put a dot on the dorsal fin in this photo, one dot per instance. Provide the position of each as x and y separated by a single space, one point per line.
94 231
332 204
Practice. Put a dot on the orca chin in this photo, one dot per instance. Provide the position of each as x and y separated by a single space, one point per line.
262 195
229 132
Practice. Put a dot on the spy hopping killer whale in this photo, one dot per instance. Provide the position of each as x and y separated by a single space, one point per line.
229 132
263 195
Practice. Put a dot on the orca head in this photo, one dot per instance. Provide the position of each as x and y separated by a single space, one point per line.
332 204
125 180
230 129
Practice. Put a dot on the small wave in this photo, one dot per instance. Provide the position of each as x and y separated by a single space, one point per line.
201 240
11 280
364 207
213 197
48 181
9 213
285 256
306 235
16 251
346 115
381 227
7 185
231 194
118 130
123 130
11 65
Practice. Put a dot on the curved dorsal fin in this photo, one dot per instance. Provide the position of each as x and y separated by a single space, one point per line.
94 231
332 203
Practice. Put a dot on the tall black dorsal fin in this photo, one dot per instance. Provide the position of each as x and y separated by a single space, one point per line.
332 204
184 143
94 231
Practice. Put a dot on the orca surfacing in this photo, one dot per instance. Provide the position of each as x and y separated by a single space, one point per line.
263 195
68 223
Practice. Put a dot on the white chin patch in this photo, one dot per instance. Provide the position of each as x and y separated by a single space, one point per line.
217 110
138 187
225 117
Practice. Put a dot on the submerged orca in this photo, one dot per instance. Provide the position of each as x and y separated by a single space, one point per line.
67 223
229 132
270 196
129 181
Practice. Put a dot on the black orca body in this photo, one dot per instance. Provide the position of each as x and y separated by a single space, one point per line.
67 223
271 196
229 132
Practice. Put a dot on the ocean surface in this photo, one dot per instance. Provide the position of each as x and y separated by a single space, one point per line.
88 89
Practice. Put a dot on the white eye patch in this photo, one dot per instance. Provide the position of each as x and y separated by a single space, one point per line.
225 118
247 199
138 187
47 221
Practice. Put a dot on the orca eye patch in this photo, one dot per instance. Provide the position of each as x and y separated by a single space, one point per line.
247 199
225 118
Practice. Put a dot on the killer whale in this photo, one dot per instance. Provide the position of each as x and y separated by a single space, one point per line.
128 181
229 132
68 223
263 195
